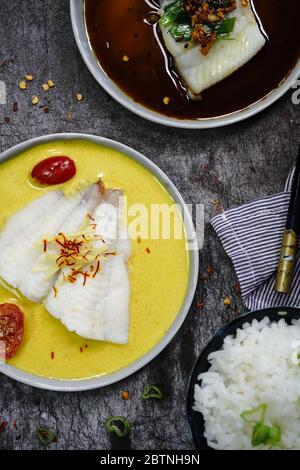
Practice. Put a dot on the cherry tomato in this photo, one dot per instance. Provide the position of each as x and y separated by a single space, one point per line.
54 170
11 328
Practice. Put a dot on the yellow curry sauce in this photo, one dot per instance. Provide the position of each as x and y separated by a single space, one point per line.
158 268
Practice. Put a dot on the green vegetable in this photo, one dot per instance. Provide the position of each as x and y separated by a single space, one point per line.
260 434
118 425
181 32
173 11
274 436
45 436
152 392
223 27
249 415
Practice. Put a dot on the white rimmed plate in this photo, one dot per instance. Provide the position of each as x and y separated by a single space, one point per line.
82 39
97 382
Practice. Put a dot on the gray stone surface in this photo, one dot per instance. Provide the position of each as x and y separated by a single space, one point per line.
233 165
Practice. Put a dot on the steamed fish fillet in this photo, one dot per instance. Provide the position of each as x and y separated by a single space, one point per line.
28 227
200 72
23 218
36 285
99 309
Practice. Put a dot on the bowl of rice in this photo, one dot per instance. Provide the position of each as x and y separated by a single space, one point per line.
244 390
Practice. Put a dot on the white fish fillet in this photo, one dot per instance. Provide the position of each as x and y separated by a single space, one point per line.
36 285
200 72
99 310
22 219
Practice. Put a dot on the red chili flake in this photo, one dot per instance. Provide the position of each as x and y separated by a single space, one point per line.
91 218
45 109
200 305
52 355
97 269
87 253
59 243
70 264
81 349
15 107
15 424
55 291
148 250
45 245
7 120
86 275
210 270
3 426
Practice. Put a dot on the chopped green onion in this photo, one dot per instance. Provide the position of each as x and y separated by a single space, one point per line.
225 37
152 392
274 436
118 425
225 26
45 436
181 32
249 415
172 12
260 434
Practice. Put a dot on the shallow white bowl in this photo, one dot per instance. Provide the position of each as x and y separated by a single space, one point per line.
97 382
81 36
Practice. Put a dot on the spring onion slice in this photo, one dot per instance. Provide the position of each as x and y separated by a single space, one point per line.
45 436
249 415
225 26
260 434
172 12
152 391
118 425
181 32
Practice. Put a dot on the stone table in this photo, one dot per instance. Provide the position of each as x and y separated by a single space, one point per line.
232 165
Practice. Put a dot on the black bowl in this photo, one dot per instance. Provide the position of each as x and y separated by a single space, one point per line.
202 365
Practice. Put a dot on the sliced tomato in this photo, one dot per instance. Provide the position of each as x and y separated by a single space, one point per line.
54 170
11 328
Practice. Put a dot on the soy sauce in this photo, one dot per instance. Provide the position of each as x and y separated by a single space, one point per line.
130 50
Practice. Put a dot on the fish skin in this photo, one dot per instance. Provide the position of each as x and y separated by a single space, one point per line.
99 310
200 72
37 284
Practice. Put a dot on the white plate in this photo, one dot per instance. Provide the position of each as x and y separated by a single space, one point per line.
81 36
88 384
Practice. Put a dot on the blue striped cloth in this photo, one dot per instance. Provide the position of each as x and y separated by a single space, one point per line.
252 236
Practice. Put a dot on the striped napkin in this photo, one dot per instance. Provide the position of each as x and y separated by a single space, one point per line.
252 236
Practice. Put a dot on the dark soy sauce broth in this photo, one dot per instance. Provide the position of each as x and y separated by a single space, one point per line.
119 28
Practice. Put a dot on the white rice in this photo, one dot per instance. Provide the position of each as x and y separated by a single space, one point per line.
259 365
